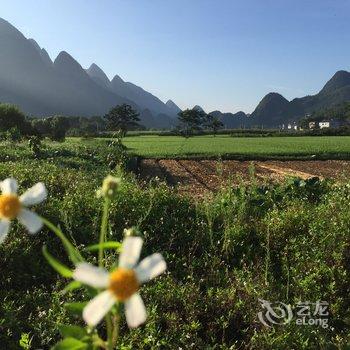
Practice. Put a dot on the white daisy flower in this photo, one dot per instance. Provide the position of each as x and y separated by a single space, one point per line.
120 285
12 206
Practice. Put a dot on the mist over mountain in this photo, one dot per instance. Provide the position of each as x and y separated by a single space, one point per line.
40 87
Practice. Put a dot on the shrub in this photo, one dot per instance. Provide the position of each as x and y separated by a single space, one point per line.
13 135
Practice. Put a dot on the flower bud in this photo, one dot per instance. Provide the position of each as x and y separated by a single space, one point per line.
110 187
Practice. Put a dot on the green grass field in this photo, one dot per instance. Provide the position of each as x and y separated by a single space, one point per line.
249 147
309 147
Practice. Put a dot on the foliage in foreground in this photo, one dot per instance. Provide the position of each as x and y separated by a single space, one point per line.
284 243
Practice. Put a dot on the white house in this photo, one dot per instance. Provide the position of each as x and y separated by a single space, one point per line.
324 124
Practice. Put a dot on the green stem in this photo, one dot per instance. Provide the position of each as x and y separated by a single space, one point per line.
267 258
109 332
73 253
103 233
115 335
103 237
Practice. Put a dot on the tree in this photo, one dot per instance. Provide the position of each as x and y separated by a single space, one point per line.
122 118
214 123
53 127
42 126
12 117
59 127
191 120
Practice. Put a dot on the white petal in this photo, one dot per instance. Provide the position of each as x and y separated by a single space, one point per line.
34 195
9 186
130 253
91 275
4 229
30 220
135 311
98 307
150 267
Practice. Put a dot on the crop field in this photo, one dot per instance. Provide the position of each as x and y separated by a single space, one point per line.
269 231
323 147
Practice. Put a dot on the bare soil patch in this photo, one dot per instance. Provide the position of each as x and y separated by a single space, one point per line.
202 177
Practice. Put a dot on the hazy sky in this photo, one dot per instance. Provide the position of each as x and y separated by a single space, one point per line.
220 54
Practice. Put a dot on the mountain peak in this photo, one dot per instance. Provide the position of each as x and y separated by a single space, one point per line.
95 71
272 100
171 103
43 53
198 108
65 60
271 109
67 65
35 44
274 95
339 80
98 75
117 79
63 57
173 107
46 57
94 66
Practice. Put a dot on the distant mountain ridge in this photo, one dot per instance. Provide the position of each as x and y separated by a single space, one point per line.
274 110
231 120
42 87
29 79
142 98
43 53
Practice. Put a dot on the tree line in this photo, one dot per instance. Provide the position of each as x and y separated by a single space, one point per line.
122 118
14 125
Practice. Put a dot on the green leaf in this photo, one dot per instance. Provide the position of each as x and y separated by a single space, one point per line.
71 286
75 308
72 331
57 265
72 252
105 245
70 344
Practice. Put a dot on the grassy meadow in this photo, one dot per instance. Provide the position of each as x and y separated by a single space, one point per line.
325 147
288 242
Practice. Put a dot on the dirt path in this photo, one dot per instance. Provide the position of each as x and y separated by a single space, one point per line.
285 172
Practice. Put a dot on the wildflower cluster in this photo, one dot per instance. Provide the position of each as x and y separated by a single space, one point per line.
108 289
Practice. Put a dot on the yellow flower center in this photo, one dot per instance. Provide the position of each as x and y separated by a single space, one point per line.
9 206
123 283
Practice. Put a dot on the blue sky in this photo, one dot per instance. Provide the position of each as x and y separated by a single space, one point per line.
219 54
